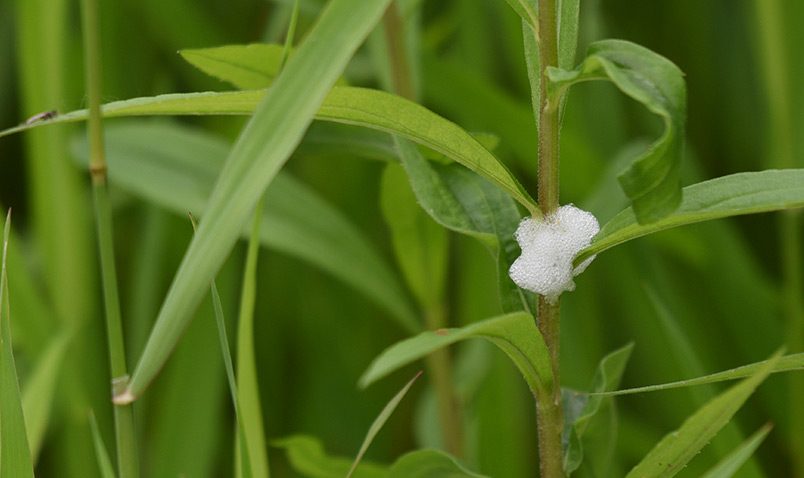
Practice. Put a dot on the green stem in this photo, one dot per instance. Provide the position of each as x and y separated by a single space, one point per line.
439 364
124 419
782 151
549 414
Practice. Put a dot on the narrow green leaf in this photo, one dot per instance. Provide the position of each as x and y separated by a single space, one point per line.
787 363
532 64
264 146
176 167
729 465
429 464
101 454
468 204
675 450
247 67
652 180
515 334
38 393
308 458
567 32
419 242
732 195
584 407
379 422
528 11
15 456
348 105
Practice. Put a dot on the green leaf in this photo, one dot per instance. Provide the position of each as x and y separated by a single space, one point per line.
347 105
429 464
101 453
515 334
786 363
420 243
38 393
383 417
307 457
732 195
581 408
528 11
15 456
262 149
468 204
247 67
729 466
567 32
675 450
652 180
176 166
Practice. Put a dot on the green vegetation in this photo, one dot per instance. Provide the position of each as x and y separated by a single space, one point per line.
348 162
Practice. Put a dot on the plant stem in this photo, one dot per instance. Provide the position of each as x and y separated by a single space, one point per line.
549 415
124 419
439 363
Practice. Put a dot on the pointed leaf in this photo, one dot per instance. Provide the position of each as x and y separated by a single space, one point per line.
247 67
732 195
348 105
515 334
729 466
675 450
15 457
652 180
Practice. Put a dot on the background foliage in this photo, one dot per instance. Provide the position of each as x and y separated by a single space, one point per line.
693 300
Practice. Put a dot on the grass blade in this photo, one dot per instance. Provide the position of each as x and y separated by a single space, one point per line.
347 105
102 455
674 451
383 417
732 463
732 195
15 456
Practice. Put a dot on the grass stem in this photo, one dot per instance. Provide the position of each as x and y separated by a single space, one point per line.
128 466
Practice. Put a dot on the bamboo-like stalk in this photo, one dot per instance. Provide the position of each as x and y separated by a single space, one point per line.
549 414
127 464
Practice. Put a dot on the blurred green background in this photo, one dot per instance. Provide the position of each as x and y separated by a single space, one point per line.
694 300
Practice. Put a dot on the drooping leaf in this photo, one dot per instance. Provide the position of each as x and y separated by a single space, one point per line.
515 334
466 203
308 458
420 243
15 456
583 408
429 464
732 195
379 422
652 180
176 167
727 467
675 450
348 105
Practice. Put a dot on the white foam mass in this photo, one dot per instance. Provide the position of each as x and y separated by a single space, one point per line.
548 247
